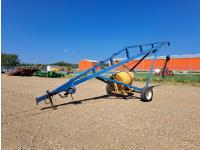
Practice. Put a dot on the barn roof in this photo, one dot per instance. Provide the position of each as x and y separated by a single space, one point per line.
186 56
90 60
178 56
171 56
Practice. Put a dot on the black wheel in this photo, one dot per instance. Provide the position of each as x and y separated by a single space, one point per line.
109 88
147 94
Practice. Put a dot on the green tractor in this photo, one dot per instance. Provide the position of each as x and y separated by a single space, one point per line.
49 74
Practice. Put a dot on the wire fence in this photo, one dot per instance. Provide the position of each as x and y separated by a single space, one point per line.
8 69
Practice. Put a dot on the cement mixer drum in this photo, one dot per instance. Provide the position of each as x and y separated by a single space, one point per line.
123 76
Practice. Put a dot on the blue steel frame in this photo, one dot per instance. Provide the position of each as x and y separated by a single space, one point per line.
66 87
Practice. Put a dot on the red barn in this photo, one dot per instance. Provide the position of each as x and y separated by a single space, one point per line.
176 63
86 64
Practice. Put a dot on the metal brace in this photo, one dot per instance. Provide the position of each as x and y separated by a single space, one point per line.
51 101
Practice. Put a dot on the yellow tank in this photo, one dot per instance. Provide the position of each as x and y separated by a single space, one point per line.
125 77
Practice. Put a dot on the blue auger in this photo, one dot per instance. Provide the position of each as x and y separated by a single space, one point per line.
145 50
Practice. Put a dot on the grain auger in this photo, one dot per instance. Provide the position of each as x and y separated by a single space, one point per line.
118 83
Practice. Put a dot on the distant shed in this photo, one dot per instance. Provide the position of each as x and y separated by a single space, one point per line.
56 68
86 64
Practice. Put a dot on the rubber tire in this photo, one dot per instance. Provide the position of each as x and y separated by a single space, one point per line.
109 89
144 96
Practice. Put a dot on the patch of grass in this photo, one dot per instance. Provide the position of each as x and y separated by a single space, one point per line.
180 78
68 76
193 79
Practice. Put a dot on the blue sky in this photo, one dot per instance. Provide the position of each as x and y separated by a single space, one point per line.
46 31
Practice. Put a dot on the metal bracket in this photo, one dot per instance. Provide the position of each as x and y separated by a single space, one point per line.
72 97
141 50
51 101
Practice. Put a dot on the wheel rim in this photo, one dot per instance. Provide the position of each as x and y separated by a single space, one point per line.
149 94
109 88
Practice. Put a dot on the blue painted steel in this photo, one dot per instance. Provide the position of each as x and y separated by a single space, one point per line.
152 66
79 78
127 85
111 61
127 53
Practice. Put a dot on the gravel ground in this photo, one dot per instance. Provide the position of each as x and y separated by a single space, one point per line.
170 121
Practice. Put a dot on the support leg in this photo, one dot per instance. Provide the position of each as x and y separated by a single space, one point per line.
51 101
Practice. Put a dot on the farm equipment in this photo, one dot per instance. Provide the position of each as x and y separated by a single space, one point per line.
164 71
23 72
50 74
119 83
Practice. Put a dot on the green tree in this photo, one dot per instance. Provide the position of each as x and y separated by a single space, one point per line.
60 63
9 59
68 65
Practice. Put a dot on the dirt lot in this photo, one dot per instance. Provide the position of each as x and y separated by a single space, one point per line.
170 121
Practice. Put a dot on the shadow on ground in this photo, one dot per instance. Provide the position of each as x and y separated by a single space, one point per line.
76 102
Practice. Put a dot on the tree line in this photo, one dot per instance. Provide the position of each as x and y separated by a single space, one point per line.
9 60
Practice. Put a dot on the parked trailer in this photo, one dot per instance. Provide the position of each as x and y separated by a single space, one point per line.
119 83
23 72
